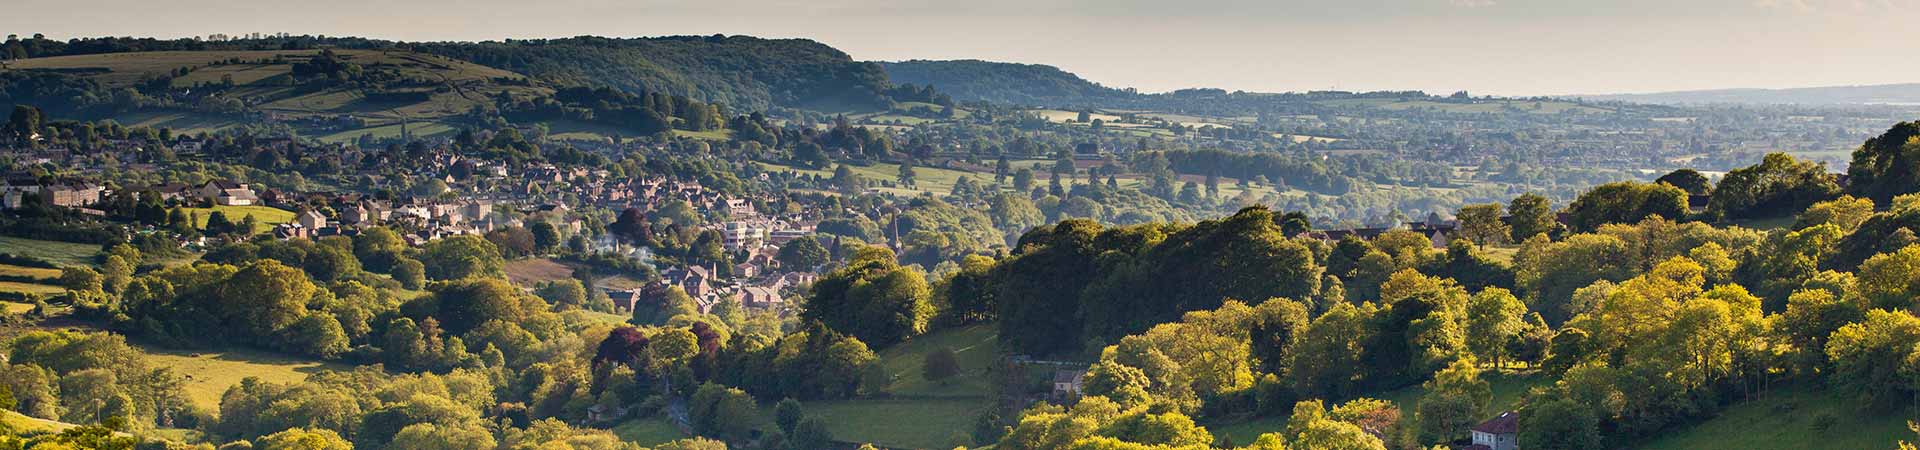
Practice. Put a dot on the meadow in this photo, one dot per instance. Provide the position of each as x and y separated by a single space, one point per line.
61 253
266 216
1802 416
208 374
648 432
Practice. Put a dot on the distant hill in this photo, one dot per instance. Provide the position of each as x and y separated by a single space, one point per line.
998 82
1908 93
742 72
204 90
334 94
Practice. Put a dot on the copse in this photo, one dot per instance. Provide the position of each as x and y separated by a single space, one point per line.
1884 167
1626 202
873 298
1778 186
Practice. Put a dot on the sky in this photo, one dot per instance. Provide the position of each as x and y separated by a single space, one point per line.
1500 47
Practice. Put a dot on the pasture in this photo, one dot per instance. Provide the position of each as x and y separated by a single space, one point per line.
30 288
61 253
530 271
38 273
896 423
976 346
267 216
648 432
208 374
1806 416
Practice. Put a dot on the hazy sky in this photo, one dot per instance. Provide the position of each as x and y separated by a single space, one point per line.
1511 47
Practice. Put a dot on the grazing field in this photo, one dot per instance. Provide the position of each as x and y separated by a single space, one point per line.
1799 417
1507 389
180 121
126 69
267 216
711 135
21 424
926 179
209 374
418 129
62 253
16 307
975 346
1056 115
30 288
527 272
648 432
897 423
28 272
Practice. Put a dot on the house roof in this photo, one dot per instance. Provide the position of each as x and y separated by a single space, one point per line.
1506 423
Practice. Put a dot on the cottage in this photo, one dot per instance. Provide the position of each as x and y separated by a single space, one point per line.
1068 383
696 280
624 300
1498 433
762 297
227 193
311 220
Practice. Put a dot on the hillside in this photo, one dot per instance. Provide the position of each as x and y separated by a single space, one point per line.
998 82
208 90
1891 94
743 72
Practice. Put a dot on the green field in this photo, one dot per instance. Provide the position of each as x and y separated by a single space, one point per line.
267 216
62 253
16 308
209 374
30 288
897 423
926 179
977 346
1507 389
180 122
390 131
711 135
1789 418
1475 107
21 424
648 432
29 272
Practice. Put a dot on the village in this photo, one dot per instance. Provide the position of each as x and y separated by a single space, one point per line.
516 197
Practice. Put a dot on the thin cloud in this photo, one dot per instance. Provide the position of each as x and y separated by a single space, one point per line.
1473 3
1837 6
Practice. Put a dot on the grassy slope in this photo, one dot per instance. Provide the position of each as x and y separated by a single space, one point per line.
23 424
530 271
267 216
30 288
1787 420
63 253
899 423
209 374
976 346
261 83
648 432
923 414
